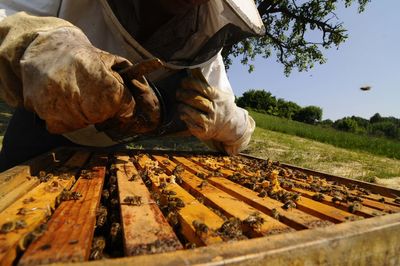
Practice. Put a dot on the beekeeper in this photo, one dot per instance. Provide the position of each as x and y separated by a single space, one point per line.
99 73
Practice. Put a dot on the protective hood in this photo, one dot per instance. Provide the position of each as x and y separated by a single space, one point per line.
194 38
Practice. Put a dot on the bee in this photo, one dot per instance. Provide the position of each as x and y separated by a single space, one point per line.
262 193
163 185
133 200
44 177
254 220
382 200
203 184
179 169
32 236
201 175
168 192
28 200
231 229
397 200
275 213
294 196
179 202
101 220
166 161
22 211
112 179
353 198
114 203
318 197
69 195
98 245
289 205
105 194
200 227
115 231
190 245
336 199
200 199
7 227
113 189
134 177
86 174
172 218
356 206
64 176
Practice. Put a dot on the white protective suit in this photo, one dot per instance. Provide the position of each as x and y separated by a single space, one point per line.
233 125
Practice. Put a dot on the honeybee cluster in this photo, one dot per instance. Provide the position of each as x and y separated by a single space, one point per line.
273 180
108 233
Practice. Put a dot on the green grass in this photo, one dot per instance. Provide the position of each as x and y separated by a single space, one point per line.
373 145
321 156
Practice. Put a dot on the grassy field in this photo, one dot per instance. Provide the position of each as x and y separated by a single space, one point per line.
377 146
321 156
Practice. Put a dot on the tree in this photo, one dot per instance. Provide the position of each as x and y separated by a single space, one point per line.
287 109
346 124
376 118
260 100
310 115
288 26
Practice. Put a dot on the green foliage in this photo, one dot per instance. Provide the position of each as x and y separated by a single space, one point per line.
291 27
258 100
263 101
373 145
310 115
346 124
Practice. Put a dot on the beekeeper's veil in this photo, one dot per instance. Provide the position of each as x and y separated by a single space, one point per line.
218 23
195 37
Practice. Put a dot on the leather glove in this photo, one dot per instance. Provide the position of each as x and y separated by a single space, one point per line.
212 115
68 82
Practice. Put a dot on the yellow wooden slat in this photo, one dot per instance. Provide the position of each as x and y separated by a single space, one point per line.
146 231
225 202
70 230
293 218
193 209
307 205
44 196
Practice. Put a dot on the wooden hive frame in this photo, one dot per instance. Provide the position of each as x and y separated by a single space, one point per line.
314 231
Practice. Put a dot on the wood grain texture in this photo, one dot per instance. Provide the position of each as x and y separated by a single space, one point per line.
294 218
38 210
70 230
193 209
309 206
227 204
18 180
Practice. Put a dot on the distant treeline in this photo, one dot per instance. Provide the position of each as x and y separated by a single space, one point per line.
263 102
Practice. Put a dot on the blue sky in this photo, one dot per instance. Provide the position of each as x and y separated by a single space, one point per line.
370 56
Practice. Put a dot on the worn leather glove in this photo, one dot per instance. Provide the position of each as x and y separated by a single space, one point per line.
212 115
68 82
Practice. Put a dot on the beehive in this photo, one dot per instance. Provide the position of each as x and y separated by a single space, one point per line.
136 207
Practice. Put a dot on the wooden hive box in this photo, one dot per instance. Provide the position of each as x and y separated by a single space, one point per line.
130 207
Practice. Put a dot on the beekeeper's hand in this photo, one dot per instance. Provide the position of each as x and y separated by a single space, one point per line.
212 116
60 75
